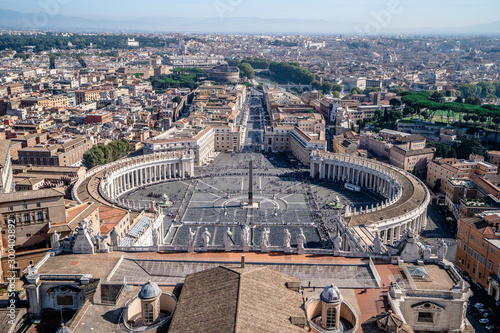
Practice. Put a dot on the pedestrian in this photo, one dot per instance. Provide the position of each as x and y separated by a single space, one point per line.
383 284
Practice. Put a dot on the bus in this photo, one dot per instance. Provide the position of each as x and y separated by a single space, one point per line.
352 187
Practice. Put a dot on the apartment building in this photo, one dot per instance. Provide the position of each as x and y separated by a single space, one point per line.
446 168
195 140
292 139
63 151
478 250
494 157
6 178
227 138
84 96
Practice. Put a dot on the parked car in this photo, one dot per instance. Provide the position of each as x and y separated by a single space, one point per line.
484 321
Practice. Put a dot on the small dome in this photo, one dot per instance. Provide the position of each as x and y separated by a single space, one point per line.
149 290
331 295
64 329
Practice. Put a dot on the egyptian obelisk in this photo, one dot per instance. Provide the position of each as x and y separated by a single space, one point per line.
250 184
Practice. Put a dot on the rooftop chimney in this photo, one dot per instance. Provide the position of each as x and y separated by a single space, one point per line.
242 261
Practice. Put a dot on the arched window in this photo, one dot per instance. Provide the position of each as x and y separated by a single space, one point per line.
331 314
39 216
26 217
148 314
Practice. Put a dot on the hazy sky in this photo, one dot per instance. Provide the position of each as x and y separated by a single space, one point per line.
410 13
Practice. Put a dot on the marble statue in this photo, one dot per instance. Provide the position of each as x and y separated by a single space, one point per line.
102 244
55 240
155 236
114 237
301 239
377 243
205 237
427 252
442 249
190 237
245 237
337 243
228 238
286 239
264 238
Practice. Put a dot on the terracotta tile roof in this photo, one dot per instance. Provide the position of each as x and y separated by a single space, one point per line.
225 299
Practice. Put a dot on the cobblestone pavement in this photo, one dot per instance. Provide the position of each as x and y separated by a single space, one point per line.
216 200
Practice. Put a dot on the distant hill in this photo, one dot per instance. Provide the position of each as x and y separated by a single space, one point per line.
41 21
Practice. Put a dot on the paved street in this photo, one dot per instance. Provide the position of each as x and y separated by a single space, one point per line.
438 229
254 136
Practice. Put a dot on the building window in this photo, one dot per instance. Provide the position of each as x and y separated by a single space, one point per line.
25 206
475 255
148 314
481 259
40 216
26 217
470 250
11 208
65 300
425 317
31 263
459 243
331 313
490 265
492 249
38 204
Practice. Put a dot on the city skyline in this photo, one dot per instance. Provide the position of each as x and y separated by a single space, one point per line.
373 17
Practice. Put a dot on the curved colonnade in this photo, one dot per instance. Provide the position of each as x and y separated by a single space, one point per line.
406 196
132 173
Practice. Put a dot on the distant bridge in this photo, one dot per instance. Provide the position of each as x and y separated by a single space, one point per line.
299 87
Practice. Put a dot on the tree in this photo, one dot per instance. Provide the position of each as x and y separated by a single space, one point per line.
316 84
437 186
496 120
470 91
356 90
398 90
369 90
336 94
396 115
246 70
487 88
326 87
469 145
177 99
459 99
437 97
337 87
101 154
408 111
395 103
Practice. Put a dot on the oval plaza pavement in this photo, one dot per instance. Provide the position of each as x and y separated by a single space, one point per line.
286 198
